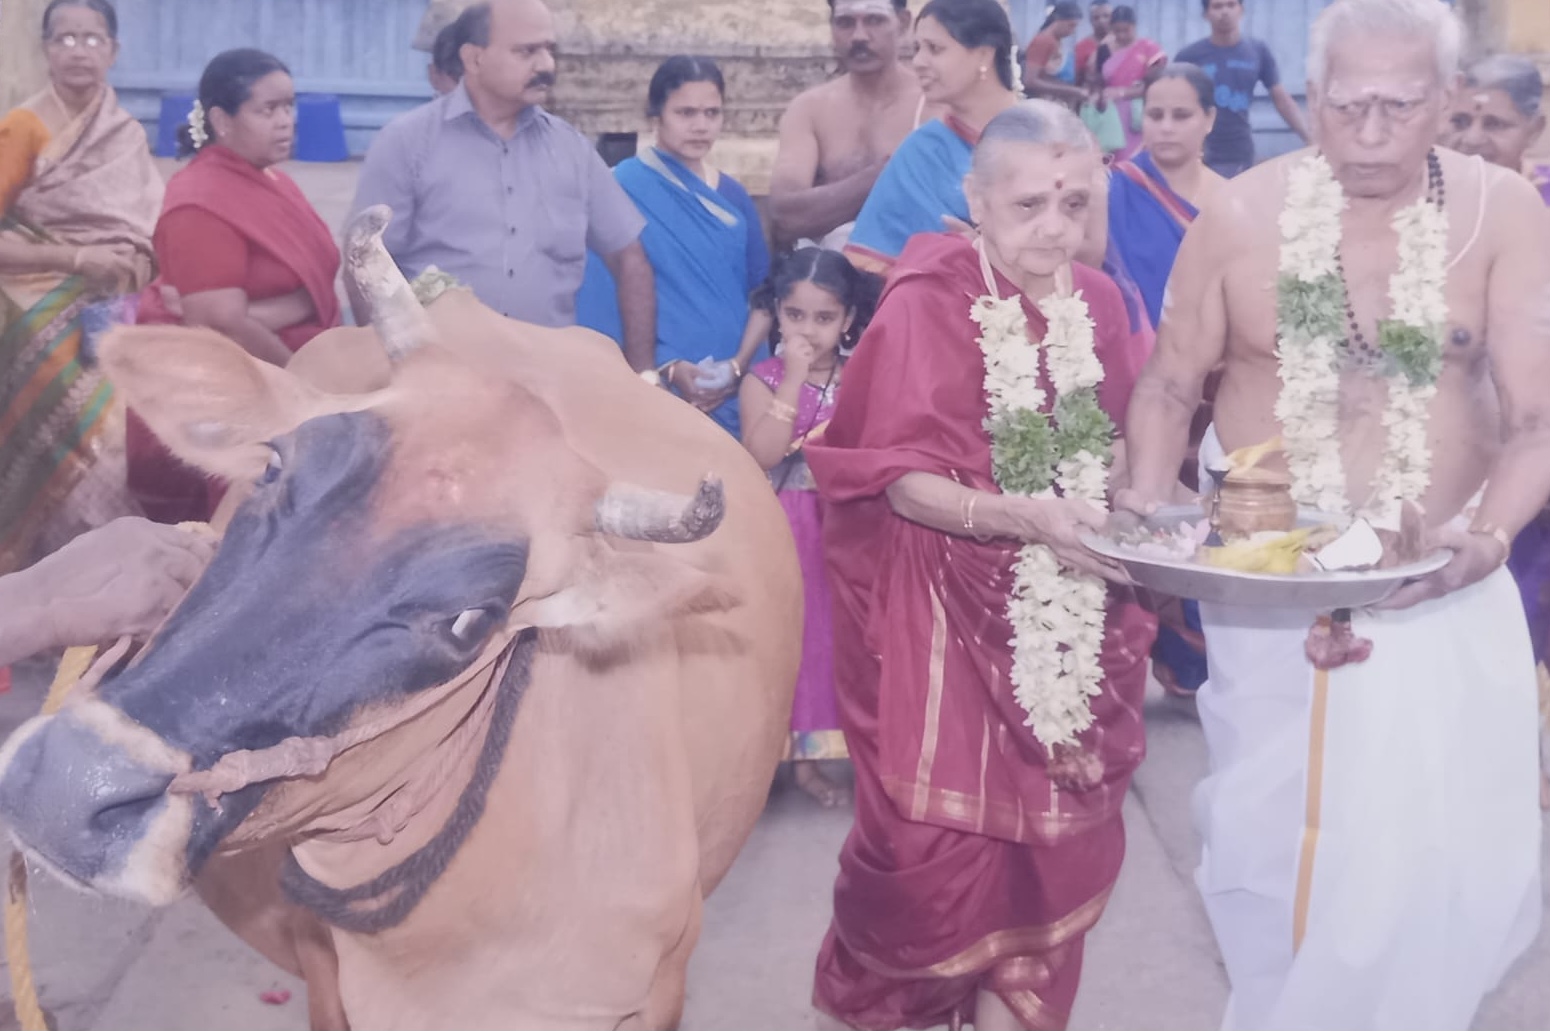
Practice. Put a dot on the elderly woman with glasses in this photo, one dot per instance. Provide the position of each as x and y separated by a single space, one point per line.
79 196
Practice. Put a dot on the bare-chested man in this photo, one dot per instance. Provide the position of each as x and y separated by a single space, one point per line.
835 138
1371 833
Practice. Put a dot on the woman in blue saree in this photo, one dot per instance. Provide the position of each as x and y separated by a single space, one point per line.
705 243
1153 198
964 62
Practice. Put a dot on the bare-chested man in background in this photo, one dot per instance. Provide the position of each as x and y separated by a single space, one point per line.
835 138
1371 830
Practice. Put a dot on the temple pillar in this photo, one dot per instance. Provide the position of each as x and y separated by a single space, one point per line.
21 51
1524 26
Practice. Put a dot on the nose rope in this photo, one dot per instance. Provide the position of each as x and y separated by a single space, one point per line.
73 668
310 756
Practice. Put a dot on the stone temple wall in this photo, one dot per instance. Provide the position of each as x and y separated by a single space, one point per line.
21 51
769 51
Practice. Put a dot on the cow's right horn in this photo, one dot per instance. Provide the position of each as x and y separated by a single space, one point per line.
395 313
653 515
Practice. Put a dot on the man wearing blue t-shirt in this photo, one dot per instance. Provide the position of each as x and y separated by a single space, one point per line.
1235 63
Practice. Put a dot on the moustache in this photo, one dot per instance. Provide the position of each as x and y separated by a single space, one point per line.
860 50
543 80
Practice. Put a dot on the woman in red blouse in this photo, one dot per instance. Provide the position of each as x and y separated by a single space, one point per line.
240 251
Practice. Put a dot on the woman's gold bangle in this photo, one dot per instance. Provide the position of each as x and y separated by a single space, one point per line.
966 509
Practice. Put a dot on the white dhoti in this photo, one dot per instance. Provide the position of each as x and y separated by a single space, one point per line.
1371 835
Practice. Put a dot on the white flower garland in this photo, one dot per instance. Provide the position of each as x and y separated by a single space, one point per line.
198 132
1057 616
1311 328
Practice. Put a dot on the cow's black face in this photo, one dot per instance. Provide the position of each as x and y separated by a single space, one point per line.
308 612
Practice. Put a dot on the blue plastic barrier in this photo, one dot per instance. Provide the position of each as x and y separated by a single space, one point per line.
174 115
320 128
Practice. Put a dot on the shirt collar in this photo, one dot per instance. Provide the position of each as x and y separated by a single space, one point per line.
458 104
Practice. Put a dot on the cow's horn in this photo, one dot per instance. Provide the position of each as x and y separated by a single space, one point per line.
397 316
652 515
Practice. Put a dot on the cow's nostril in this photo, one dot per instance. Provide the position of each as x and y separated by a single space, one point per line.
126 818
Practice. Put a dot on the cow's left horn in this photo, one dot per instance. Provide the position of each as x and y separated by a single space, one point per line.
653 515
397 316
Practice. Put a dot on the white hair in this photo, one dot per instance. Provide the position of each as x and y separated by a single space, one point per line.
1387 19
1518 77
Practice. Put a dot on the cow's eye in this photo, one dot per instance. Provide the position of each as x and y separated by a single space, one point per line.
471 626
273 469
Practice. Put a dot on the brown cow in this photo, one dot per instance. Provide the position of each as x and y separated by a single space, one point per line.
482 692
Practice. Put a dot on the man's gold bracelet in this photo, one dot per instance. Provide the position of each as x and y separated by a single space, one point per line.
1499 535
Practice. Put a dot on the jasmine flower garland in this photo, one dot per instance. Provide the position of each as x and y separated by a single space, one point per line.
1056 615
1311 299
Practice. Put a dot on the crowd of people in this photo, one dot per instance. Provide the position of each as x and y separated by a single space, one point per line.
981 668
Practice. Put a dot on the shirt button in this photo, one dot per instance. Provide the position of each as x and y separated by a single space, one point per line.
510 273
509 189
513 230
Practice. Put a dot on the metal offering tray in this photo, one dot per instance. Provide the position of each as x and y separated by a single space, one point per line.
1320 591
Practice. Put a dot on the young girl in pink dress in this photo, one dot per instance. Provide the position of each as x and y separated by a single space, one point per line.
821 303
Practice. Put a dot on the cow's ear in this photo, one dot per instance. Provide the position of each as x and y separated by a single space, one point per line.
610 596
213 404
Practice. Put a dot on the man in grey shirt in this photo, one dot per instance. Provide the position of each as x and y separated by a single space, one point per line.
488 186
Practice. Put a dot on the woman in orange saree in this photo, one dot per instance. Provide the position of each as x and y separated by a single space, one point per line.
78 200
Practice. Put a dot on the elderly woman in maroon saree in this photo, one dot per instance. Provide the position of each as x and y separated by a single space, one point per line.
241 251
978 860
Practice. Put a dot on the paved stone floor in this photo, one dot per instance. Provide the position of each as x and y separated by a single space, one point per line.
1151 963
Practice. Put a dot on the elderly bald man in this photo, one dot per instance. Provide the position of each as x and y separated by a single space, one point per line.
488 186
1371 833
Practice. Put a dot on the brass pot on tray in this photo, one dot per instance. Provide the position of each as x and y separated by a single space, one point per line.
1254 501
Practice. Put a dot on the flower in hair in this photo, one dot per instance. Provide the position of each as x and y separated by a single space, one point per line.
197 131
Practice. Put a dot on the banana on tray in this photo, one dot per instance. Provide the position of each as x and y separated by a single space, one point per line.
1271 552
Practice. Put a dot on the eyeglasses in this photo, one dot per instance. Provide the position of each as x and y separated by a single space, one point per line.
72 40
